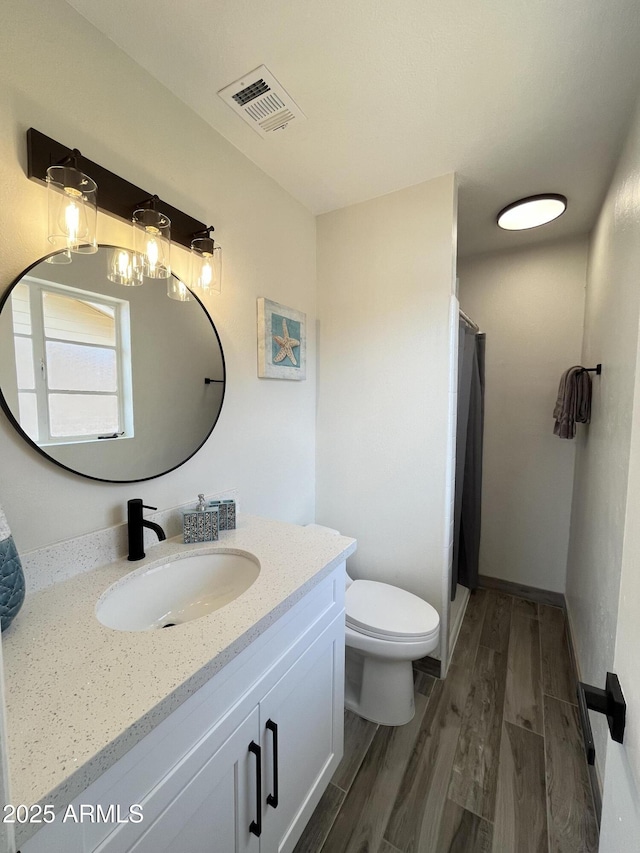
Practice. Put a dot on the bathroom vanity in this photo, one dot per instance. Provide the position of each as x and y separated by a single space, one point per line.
218 734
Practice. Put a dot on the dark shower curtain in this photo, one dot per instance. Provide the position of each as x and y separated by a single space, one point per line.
468 484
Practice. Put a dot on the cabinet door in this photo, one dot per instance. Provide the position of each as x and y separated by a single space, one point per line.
307 708
211 812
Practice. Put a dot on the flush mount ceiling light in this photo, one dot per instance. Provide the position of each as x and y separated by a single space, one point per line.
531 212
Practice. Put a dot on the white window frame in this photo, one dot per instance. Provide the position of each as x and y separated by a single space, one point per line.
124 387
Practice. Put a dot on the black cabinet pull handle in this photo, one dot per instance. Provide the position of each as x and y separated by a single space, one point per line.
272 799
256 825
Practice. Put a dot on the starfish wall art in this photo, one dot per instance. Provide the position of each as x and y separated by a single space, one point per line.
282 341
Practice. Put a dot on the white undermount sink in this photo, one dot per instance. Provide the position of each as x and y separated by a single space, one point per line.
177 591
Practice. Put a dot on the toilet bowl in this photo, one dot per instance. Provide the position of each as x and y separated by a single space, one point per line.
387 628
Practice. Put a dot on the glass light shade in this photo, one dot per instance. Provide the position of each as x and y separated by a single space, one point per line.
178 290
206 265
532 212
73 210
63 257
124 267
152 242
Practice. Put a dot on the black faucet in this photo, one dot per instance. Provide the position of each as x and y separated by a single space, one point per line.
136 524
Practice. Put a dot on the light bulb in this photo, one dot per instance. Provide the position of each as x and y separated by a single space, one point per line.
207 274
123 264
152 252
72 221
152 242
124 268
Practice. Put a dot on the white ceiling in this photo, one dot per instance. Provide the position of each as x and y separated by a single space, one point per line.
516 96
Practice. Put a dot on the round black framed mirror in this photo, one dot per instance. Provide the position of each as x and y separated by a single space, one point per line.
114 383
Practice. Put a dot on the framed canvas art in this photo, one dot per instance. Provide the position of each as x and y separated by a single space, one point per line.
282 341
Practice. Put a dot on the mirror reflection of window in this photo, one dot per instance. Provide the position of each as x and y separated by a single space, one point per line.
55 317
72 353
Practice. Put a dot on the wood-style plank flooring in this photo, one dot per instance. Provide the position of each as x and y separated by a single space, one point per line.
492 762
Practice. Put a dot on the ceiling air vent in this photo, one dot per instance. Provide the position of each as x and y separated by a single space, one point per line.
262 102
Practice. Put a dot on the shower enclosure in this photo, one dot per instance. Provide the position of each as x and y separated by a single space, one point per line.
468 471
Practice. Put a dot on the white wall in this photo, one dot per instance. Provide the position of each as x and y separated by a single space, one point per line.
530 303
602 457
59 75
385 274
621 803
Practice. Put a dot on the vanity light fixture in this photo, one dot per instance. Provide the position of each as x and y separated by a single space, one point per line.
531 212
156 224
73 208
125 267
206 263
152 239
117 195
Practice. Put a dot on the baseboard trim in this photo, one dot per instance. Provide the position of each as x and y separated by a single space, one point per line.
531 593
432 666
594 777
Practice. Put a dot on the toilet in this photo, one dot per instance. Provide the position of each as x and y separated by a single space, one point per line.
387 628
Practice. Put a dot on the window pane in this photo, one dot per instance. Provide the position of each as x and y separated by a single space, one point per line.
72 367
24 363
28 406
21 309
72 319
82 414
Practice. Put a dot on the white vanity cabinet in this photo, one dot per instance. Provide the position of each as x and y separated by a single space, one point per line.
239 766
307 707
206 811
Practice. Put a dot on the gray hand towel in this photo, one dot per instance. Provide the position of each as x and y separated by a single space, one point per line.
573 404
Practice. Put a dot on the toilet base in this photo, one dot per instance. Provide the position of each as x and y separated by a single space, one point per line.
383 692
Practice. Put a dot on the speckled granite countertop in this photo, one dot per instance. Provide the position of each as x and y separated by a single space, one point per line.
80 695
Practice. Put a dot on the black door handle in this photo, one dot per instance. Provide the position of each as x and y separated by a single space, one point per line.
609 702
272 799
256 825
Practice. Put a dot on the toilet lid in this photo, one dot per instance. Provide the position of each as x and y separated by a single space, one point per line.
382 610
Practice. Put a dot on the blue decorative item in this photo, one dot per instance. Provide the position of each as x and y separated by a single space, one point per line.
11 575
